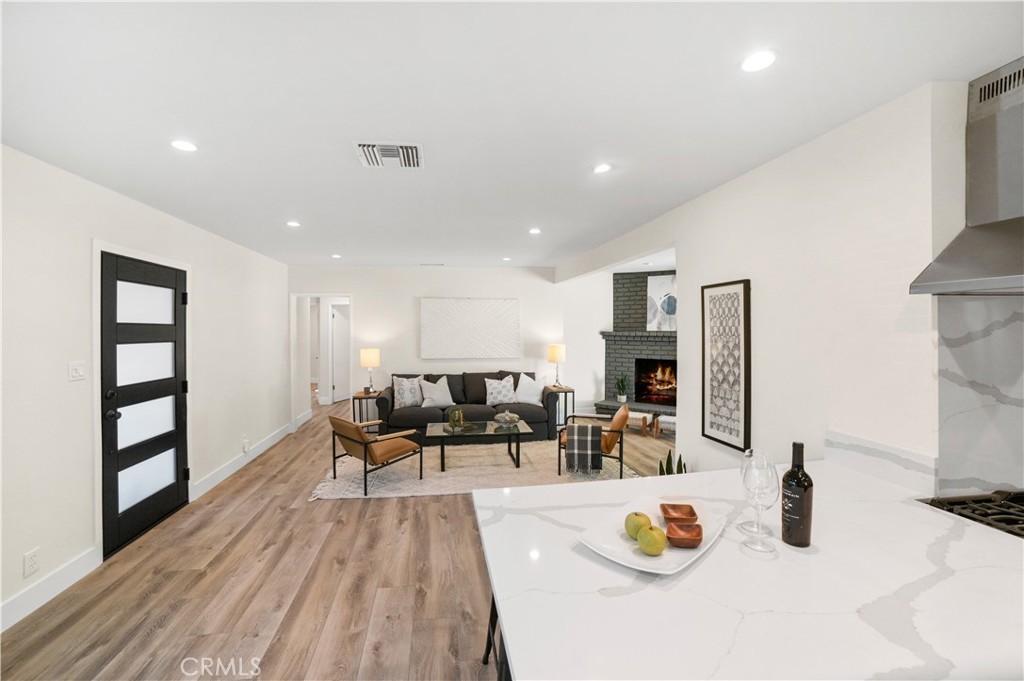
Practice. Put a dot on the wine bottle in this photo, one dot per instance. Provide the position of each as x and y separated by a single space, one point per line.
797 497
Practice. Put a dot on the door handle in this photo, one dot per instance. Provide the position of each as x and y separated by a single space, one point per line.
112 415
110 394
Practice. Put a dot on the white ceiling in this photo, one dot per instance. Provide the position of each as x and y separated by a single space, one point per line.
513 104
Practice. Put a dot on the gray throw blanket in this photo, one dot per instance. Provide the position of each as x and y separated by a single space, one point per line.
582 448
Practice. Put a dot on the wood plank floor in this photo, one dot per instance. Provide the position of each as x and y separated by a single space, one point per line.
336 589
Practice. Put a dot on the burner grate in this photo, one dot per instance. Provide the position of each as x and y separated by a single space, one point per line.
1002 510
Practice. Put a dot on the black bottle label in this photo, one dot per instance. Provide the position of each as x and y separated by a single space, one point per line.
796 515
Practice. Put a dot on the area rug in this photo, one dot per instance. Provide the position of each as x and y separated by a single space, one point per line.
467 467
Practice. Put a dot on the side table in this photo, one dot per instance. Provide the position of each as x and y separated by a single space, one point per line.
359 408
564 392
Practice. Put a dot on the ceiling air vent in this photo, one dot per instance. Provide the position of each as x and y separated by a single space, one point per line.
389 155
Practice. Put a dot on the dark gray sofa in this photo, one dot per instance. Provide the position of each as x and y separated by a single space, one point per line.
470 395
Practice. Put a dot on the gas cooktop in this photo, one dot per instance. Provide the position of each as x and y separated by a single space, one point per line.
1003 510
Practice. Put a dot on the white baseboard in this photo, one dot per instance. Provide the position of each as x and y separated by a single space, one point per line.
300 419
324 401
34 596
200 487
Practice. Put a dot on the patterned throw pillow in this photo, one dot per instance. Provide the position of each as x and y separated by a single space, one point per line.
529 391
436 394
407 392
500 392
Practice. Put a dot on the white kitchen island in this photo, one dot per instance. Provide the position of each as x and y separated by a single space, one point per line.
890 588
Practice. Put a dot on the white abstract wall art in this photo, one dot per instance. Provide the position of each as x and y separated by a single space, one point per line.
469 328
661 303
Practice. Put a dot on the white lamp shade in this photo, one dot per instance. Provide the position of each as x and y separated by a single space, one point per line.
556 353
369 358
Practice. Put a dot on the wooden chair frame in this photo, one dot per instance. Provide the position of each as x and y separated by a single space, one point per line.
346 442
601 417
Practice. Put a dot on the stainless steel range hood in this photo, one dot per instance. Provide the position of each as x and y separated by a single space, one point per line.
987 257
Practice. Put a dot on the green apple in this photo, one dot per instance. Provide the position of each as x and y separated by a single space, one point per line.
652 540
635 521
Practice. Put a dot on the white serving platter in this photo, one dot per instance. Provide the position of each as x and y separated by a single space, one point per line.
607 536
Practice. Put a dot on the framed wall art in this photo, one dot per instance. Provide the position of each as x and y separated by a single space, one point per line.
725 327
469 328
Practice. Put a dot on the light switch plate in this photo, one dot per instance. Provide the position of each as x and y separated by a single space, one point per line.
76 371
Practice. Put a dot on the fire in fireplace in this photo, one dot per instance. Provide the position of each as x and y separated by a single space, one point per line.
656 381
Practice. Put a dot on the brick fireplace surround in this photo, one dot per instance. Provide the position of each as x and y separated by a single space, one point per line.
630 340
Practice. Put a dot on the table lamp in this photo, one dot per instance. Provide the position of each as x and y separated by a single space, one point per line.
369 358
556 354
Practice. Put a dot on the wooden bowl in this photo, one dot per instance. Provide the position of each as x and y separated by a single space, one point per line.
682 514
684 536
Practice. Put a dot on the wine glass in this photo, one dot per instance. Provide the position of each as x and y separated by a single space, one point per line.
749 526
761 481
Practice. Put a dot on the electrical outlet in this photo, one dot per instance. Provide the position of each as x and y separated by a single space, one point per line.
245 445
76 370
31 562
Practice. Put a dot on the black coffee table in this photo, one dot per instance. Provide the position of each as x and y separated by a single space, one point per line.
443 432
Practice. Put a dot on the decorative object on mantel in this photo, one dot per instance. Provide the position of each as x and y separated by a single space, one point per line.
477 466
725 341
469 328
369 359
556 355
621 385
661 303
666 467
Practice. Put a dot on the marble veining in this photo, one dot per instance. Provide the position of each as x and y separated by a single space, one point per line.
983 389
893 615
981 394
910 469
1016 317
877 595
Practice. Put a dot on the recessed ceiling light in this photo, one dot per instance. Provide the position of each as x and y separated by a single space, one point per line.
183 145
758 61
293 223
646 264
535 230
506 259
335 256
602 168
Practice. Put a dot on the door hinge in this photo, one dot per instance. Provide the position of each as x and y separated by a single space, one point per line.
184 297
184 386
333 388
187 473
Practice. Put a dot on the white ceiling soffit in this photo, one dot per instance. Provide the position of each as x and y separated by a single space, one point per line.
653 262
515 103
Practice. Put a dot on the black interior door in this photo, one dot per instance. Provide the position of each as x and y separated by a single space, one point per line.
142 379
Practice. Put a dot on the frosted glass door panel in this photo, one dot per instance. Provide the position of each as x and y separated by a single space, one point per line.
142 304
143 479
141 362
144 420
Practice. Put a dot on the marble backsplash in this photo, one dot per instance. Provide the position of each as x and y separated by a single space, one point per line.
981 399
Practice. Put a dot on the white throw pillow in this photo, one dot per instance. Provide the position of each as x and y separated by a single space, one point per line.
436 394
407 392
500 392
529 390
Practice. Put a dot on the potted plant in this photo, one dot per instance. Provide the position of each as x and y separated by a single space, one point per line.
621 385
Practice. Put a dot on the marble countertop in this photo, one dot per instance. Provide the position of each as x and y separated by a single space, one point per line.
889 588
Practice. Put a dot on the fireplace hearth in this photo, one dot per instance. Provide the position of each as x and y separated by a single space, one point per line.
655 381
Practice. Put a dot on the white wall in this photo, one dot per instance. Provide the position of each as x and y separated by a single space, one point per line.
238 359
385 314
314 341
830 234
301 400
